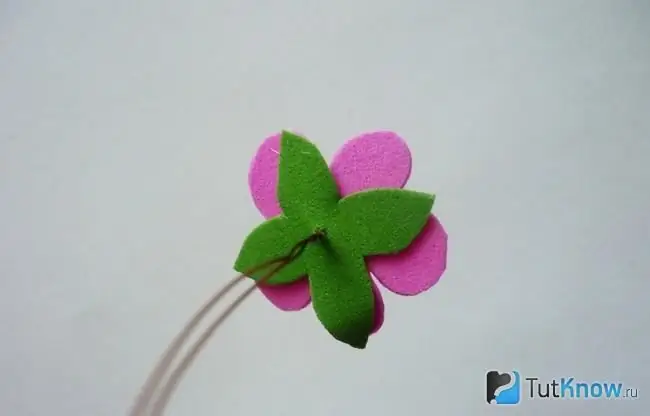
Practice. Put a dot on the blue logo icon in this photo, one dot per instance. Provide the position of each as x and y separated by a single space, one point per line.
503 388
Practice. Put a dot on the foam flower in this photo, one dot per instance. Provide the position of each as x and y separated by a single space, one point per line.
372 228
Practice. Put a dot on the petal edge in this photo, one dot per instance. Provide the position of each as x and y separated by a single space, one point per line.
379 308
294 296
263 177
379 159
417 268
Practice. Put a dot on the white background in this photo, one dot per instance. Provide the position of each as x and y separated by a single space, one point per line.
126 131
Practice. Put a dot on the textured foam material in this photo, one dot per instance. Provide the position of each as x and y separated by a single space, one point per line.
383 221
270 240
371 160
369 222
378 159
293 296
341 292
379 309
263 177
418 267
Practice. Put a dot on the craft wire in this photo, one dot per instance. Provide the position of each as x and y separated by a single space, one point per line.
157 374
153 381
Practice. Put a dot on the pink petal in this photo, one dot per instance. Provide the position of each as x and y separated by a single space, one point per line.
372 160
263 177
379 308
290 297
417 268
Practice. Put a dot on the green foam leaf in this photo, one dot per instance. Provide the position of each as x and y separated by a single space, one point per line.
383 221
341 292
306 187
272 239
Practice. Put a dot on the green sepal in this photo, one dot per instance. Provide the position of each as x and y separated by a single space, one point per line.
306 187
270 240
341 292
383 221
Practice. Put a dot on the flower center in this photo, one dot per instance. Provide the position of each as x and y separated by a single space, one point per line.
319 233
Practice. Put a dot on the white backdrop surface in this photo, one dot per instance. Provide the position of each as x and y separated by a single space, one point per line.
126 131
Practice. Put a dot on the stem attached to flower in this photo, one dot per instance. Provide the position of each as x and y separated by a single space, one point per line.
144 400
